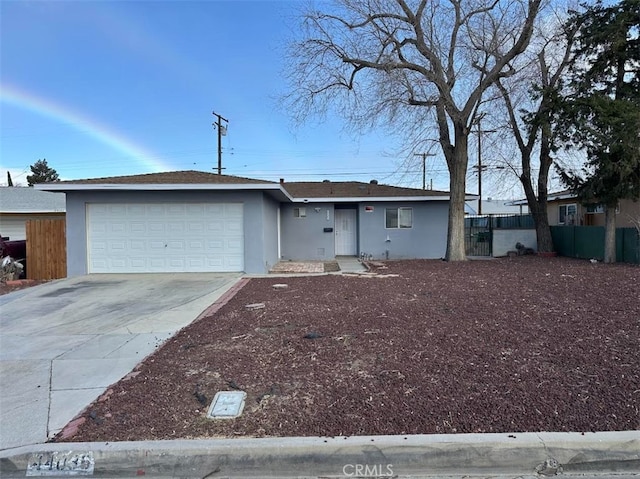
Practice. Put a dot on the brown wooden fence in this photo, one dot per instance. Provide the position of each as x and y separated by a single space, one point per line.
46 249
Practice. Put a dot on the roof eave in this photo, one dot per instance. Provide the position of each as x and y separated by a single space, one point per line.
273 188
32 211
371 199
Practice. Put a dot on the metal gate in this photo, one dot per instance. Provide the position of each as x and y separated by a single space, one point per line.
478 237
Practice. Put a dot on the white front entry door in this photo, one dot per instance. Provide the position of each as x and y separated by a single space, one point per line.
346 234
165 237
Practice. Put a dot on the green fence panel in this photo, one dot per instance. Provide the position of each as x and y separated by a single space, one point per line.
628 245
512 221
587 242
563 240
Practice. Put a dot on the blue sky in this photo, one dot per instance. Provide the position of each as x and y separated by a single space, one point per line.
114 88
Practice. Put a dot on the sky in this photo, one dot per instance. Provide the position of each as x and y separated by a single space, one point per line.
109 88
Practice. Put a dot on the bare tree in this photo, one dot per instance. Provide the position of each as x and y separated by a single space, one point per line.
375 58
533 126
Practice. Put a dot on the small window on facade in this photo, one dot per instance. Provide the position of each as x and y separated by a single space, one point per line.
567 214
398 218
595 208
599 208
299 212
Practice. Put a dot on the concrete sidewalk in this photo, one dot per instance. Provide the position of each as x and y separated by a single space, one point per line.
63 343
347 265
518 455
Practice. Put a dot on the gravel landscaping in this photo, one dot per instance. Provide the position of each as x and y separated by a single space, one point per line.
507 345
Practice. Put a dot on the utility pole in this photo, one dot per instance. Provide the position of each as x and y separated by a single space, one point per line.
424 167
479 166
222 131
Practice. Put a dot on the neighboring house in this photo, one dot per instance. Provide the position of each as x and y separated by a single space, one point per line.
492 206
563 208
190 221
19 204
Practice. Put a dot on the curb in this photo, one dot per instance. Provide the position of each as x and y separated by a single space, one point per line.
521 455
223 299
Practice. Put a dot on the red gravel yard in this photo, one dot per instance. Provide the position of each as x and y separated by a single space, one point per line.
509 345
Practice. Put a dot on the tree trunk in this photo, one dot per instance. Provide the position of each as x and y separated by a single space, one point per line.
457 172
538 209
610 234
543 230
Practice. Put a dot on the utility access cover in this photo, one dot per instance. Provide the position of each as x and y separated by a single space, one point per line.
227 404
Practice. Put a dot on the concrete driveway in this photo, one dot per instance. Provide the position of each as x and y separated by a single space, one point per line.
63 343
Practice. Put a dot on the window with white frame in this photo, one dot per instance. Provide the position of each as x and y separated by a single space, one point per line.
567 214
595 208
299 212
398 218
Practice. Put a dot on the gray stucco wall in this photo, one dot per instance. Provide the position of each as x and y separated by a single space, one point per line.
304 238
270 232
256 238
426 239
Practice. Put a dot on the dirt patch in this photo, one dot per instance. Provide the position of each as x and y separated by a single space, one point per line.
10 286
520 344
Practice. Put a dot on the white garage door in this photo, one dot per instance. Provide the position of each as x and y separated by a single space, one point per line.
165 237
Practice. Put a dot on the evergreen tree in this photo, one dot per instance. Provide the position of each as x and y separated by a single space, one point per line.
42 173
604 109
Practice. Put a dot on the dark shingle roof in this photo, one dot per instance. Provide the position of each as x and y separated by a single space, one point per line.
297 189
353 189
169 178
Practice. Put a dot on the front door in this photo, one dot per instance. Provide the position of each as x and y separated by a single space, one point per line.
346 234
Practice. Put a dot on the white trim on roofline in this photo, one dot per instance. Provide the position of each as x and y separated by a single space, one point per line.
231 187
550 197
371 199
155 186
161 187
33 211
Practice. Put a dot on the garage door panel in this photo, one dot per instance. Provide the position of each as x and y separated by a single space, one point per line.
235 245
214 209
155 210
118 228
138 263
175 209
116 210
233 262
233 209
137 245
155 245
117 246
137 227
215 227
215 263
175 246
136 209
154 227
175 227
169 237
156 264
